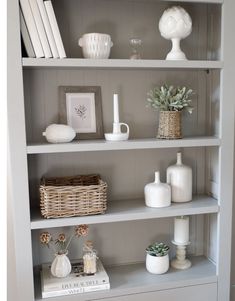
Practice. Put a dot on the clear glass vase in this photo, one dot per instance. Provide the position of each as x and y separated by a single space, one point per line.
135 46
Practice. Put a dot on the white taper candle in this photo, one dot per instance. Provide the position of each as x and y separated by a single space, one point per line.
181 230
115 109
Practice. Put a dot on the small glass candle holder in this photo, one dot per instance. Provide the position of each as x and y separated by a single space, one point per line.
89 259
135 46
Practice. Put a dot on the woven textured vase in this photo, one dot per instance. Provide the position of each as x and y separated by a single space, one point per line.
169 125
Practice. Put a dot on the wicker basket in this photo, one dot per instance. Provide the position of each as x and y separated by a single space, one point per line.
73 196
169 125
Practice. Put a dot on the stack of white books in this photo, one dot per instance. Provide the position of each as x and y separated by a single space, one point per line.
76 282
39 29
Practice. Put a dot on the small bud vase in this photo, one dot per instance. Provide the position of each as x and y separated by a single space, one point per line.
61 266
157 194
179 176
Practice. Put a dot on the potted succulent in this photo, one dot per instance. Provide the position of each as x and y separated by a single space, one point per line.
157 258
170 101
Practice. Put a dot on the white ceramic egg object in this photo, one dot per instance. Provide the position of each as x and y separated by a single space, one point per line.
157 194
175 24
59 133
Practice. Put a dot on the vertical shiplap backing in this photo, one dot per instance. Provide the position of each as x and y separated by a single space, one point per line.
126 172
127 19
42 98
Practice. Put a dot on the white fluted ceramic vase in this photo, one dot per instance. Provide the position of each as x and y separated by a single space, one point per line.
157 194
61 266
157 265
179 176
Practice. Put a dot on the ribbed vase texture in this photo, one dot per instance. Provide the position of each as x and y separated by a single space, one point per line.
61 266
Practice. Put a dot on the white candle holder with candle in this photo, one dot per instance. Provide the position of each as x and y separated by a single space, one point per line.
117 134
181 240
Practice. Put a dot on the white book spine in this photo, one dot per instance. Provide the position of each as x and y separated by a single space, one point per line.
55 28
48 29
76 291
40 28
26 38
73 284
32 29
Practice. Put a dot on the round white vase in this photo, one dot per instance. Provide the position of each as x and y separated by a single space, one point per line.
61 266
179 176
157 194
157 265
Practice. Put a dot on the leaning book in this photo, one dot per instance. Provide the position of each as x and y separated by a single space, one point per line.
76 282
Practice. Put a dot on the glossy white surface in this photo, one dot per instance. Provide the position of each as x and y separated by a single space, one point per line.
157 194
179 176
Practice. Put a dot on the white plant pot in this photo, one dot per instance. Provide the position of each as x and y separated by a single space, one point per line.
157 194
157 265
61 266
179 176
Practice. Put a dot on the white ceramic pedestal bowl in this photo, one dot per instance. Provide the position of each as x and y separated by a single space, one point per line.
95 45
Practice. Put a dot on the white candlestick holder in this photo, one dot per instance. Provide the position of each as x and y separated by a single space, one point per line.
117 134
180 262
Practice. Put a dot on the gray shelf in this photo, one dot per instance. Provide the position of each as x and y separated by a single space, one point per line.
102 145
134 279
128 210
199 1
119 63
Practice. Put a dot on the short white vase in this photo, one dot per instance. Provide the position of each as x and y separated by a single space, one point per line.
157 265
157 194
61 266
179 176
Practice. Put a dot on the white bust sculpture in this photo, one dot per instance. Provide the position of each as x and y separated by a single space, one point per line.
175 24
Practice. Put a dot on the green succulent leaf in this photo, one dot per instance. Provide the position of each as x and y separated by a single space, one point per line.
157 249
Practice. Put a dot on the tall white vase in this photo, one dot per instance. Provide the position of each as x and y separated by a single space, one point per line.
179 176
157 194
61 266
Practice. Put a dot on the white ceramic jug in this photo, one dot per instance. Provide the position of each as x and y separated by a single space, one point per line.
157 194
179 176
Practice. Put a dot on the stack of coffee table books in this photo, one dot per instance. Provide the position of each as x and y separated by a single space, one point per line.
76 282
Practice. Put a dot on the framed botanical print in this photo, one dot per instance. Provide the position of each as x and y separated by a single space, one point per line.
81 108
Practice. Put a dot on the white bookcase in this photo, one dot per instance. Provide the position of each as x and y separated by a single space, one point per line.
123 232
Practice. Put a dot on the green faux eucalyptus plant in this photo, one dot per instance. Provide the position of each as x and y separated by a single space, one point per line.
158 249
170 98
